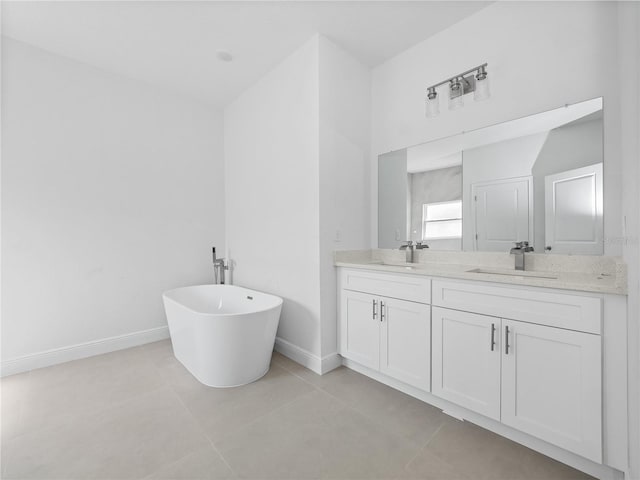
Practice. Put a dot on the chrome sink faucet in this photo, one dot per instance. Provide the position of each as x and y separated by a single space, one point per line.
218 268
519 250
408 246
411 248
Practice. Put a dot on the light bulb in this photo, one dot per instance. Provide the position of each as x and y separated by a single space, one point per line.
482 85
455 94
432 105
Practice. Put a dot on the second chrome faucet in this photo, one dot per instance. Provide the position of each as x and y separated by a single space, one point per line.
519 250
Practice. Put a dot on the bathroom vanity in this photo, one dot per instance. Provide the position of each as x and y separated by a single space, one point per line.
537 356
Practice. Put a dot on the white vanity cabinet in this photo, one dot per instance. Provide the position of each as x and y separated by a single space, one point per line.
545 367
387 334
544 380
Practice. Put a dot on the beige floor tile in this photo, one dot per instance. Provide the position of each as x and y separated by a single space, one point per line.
474 450
128 441
426 466
58 394
157 352
204 464
13 391
400 413
221 411
536 466
315 436
481 454
139 412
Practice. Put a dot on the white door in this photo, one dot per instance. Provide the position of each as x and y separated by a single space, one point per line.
503 211
466 360
551 386
405 341
360 328
573 211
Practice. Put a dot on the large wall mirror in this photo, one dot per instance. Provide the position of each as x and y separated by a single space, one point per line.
537 179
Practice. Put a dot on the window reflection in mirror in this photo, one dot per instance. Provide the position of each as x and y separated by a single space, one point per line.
537 179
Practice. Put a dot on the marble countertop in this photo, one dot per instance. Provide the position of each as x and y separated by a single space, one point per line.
590 274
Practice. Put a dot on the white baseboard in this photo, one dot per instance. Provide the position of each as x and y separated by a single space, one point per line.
331 362
306 358
81 350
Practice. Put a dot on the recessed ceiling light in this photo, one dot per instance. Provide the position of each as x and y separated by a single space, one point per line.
224 56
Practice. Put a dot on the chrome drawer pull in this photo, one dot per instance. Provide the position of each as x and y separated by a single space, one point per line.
493 336
506 340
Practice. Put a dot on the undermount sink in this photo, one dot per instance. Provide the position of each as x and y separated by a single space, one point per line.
513 273
408 266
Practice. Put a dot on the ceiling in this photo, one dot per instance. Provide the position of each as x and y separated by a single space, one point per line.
174 43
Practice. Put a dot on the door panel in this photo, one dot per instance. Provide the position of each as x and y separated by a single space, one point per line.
466 370
551 386
405 347
573 211
503 213
359 330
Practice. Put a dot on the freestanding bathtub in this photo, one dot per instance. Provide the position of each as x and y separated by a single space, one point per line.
222 334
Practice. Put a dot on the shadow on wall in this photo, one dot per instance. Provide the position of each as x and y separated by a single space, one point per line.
299 323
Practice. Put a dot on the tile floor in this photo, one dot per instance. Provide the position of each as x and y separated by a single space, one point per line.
138 413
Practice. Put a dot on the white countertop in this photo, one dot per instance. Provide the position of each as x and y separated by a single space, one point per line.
611 278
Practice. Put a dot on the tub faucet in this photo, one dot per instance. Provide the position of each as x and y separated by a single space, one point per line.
409 251
218 268
519 250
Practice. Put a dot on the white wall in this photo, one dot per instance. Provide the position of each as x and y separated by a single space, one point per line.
271 135
296 153
112 192
345 124
629 137
536 52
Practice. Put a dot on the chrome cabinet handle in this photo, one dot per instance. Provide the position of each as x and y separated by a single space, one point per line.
506 340
382 311
493 336
375 303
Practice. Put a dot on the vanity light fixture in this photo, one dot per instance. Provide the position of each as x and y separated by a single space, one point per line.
474 80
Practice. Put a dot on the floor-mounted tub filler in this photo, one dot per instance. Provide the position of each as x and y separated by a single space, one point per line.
222 334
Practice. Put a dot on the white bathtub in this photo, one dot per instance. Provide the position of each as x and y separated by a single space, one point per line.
222 334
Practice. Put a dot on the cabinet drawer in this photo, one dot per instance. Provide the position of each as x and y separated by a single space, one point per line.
406 287
573 312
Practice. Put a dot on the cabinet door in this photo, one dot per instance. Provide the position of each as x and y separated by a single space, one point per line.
405 341
551 386
360 328
466 360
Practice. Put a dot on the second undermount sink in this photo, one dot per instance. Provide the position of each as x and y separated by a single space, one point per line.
513 273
